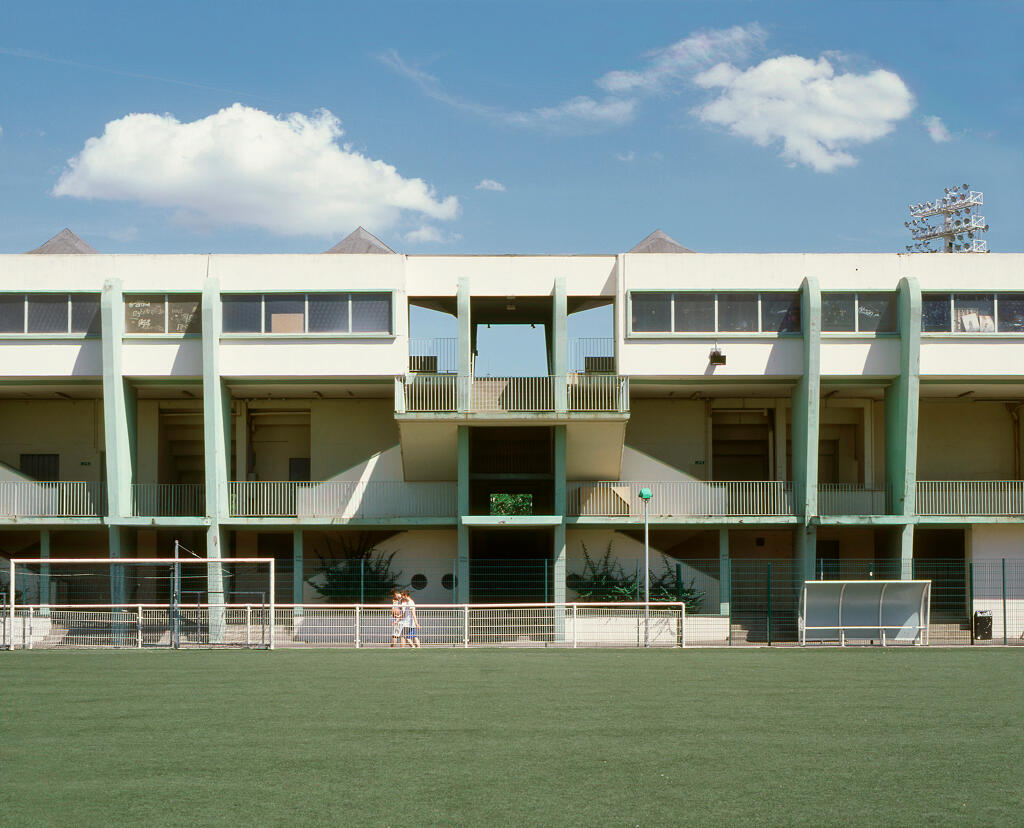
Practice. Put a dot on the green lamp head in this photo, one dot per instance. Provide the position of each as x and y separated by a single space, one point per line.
645 493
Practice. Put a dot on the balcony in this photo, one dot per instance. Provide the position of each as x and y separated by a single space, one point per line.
62 499
840 499
434 356
972 498
168 499
696 498
555 395
346 500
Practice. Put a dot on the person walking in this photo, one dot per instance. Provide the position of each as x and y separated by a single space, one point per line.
410 622
396 616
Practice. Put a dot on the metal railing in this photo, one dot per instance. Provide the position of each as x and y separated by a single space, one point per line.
168 499
621 498
449 393
592 355
970 497
342 499
56 499
434 356
843 499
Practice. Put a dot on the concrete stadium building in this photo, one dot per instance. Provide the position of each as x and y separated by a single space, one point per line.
840 415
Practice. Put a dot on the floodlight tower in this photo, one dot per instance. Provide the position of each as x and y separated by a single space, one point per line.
957 223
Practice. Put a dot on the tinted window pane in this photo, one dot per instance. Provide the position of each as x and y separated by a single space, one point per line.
285 312
974 312
144 314
371 313
48 313
183 316
780 312
837 312
935 312
876 312
652 312
695 312
1011 312
241 313
328 312
737 312
12 313
85 313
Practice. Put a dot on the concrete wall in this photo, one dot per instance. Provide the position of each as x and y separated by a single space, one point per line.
71 428
988 546
965 441
671 431
59 357
346 434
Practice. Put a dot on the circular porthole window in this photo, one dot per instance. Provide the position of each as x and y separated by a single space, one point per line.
419 581
448 581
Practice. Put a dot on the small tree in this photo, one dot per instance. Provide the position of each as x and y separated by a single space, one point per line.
605 580
362 574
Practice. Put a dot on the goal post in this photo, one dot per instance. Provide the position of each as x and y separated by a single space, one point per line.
139 602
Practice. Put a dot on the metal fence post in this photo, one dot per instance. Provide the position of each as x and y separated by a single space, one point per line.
248 625
138 627
1004 602
769 603
728 574
679 581
357 626
465 625
362 580
574 610
970 606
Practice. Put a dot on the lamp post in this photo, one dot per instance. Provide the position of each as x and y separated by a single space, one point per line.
645 496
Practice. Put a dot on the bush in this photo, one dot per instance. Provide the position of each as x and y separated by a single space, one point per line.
363 575
605 580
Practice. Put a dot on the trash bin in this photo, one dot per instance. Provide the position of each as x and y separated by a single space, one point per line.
983 625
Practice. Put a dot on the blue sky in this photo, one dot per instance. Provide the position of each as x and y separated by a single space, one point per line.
733 126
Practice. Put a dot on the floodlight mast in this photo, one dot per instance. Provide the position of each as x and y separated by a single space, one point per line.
959 224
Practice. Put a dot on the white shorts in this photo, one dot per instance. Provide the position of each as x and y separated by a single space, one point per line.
396 629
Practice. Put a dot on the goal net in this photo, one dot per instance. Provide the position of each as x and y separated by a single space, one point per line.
138 602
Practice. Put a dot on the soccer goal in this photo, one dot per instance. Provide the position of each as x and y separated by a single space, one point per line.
895 612
139 603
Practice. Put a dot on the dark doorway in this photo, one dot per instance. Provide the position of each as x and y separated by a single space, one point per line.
510 565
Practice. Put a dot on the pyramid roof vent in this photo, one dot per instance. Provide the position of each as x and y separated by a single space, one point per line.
660 242
360 241
65 242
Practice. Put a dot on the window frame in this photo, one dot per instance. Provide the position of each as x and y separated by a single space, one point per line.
672 333
951 298
306 333
67 333
166 333
857 332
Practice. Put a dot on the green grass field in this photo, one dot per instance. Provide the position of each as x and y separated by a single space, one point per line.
498 737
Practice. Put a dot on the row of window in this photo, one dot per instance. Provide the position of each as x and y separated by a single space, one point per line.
176 313
972 312
363 313
664 312
50 313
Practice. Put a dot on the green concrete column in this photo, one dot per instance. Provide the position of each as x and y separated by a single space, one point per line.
462 560
805 426
119 404
465 375
559 356
724 573
216 439
118 592
905 542
901 405
298 569
44 571
559 553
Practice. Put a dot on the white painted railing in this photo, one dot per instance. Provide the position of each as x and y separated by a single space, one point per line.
439 355
621 498
168 499
57 499
842 499
343 499
992 498
448 393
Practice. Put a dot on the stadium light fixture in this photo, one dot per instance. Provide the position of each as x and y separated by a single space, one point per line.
934 221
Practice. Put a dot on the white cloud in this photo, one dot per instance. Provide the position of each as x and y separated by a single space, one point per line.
673 63
936 129
816 114
625 156
431 235
491 184
244 166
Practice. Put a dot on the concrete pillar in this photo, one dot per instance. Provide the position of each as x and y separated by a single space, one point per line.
559 354
118 404
242 442
118 592
462 559
902 403
905 541
805 426
44 571
465 375
559 553
298 566
215 541
724 572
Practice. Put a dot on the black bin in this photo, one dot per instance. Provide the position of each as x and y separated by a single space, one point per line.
983 625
